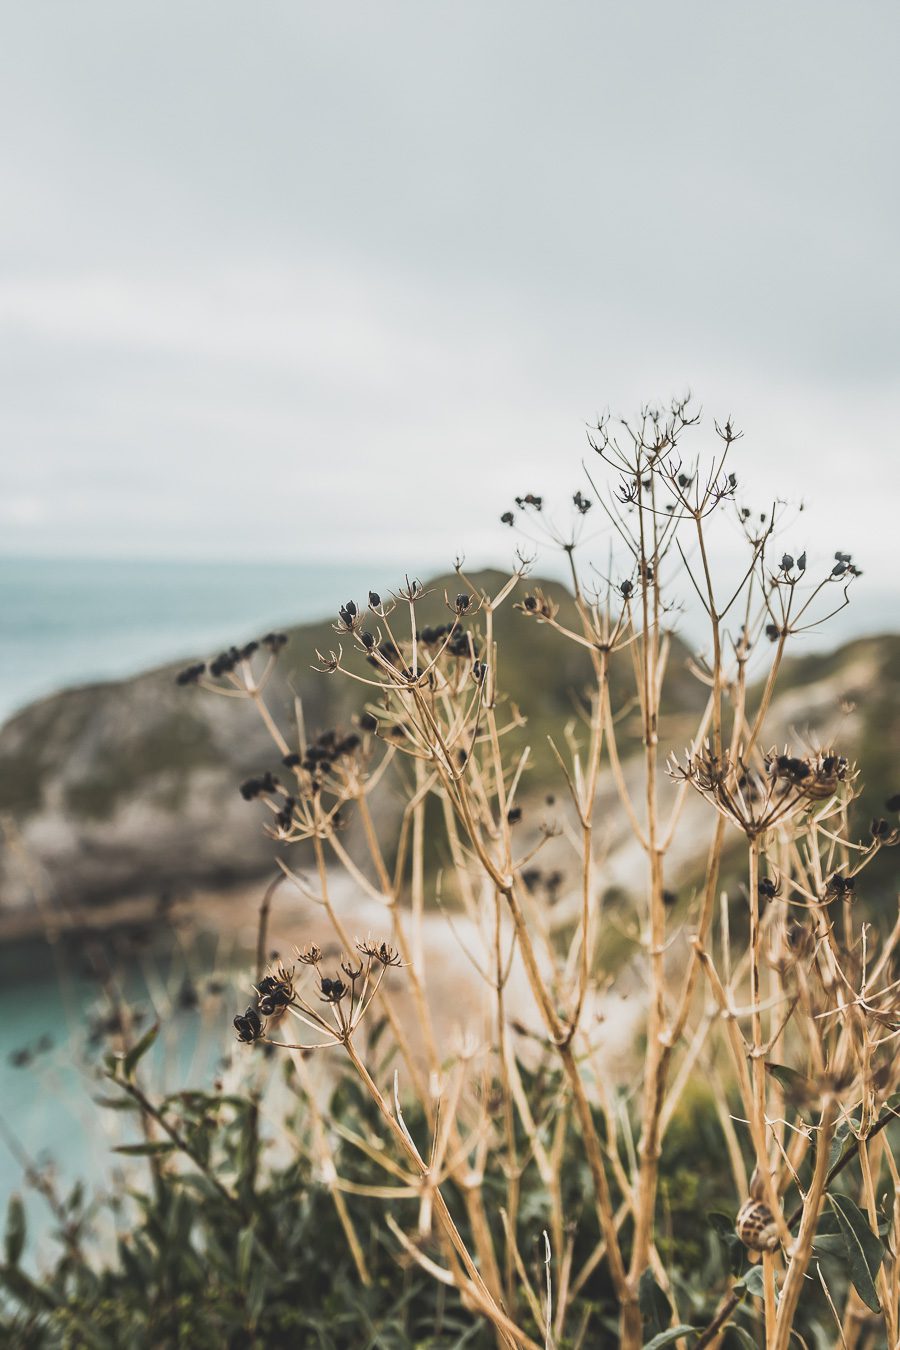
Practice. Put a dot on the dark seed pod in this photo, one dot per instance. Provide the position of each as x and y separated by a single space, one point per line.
248 1026
191 674
274 642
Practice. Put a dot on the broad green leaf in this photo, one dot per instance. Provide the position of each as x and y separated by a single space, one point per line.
655 1307
865 1250
14 1241
129 1063
670 1336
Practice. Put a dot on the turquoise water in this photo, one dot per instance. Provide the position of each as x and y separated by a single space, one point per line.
72 621
52 1009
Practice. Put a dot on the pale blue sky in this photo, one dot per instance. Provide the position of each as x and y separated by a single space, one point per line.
306 279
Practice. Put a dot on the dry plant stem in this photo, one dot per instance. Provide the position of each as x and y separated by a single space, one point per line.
800 1257
470 1294
484 1243
758 1074
655 1064
327 1167
262 929
444 1217
271 725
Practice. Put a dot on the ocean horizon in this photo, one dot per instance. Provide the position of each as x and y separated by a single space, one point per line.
72 621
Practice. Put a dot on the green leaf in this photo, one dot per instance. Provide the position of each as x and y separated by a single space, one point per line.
789 1078
799 1090
245 1246
155 1146
118 1103
655 1307
752 1283
743 1335
129 1063
838 1143
670 1336
723 1226
865 1250
15 1230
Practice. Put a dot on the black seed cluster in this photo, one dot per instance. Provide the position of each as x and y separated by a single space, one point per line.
254 787
248 1026
190 674
274 642
839 887
322 753
332 990
844 566
274 994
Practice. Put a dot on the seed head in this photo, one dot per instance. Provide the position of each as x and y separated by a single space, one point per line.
190 674
248 1026
380 952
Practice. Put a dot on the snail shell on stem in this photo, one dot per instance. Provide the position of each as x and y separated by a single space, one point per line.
756 1227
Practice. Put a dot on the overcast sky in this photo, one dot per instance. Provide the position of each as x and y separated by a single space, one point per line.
297 279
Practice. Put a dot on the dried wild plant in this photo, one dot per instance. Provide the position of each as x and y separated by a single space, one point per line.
802 993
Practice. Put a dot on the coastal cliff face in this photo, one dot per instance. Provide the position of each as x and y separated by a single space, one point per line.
131 788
